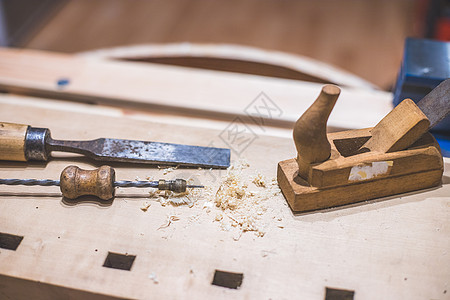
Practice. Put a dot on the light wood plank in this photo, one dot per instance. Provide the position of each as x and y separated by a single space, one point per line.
390 248
234 58
181 90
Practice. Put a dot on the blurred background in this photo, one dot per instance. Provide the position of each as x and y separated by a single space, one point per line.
365 38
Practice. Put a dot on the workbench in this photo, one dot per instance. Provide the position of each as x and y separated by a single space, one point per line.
389 248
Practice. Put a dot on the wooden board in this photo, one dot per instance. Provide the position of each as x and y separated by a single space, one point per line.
391 248
153 87
234 58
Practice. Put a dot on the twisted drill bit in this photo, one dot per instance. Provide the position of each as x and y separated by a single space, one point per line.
42 182
177 185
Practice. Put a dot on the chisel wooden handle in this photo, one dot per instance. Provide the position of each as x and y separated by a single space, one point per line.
76 182
12 141
20 142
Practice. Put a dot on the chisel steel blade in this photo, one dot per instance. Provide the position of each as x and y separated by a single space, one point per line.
436 104
166 154
163 153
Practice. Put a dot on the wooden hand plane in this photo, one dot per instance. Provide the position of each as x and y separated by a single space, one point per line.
398 155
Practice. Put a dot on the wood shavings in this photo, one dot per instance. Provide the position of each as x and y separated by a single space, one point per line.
153 193
194 218
146 206
176 199
219 217
280 225
244 207
238 201
225 226
259 180
238 236
231 192
168 170
208 204
170 219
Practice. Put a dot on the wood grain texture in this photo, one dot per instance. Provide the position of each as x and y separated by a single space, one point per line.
402 242
349 176
182 91
76 182
234 58
12 141
303 198
399 129
337 171
310 130
363 37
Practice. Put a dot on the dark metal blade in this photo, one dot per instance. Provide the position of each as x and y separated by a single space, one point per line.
146 152
436 105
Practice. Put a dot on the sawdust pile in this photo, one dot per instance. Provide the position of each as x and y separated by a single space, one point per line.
238 201
242 199
189 198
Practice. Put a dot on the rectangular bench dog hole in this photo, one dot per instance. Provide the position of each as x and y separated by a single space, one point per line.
228 279
338 294
10 241
119 261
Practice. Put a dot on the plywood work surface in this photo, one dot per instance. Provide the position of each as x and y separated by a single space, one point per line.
392 248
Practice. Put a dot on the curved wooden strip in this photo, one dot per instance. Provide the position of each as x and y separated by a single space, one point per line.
234 58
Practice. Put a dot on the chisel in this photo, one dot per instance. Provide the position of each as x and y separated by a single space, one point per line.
75 182
25 143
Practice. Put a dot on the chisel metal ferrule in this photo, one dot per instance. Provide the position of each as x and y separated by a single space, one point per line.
35 144
177 185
